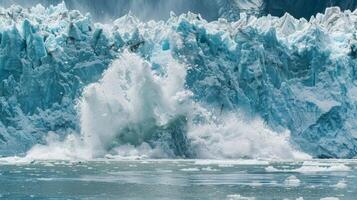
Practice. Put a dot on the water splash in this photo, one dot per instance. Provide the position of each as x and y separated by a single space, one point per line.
139 109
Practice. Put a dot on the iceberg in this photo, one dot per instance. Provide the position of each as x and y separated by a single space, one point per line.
254 87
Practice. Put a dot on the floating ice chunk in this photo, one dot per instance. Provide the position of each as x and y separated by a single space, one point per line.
312 169
194 169
45 179
255 184
239 197
209 169
292 181
231 162
271 169
341 184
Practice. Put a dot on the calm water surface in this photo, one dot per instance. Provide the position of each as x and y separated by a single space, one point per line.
179 179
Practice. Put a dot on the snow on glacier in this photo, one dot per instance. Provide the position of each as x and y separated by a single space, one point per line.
269 74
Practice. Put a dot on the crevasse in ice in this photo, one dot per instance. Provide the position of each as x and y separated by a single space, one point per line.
294 75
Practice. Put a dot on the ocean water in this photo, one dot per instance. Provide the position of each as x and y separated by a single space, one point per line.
179 179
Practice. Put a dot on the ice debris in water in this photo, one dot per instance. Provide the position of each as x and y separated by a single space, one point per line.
194 169
310 168
292 181
239 197
341 184
297 76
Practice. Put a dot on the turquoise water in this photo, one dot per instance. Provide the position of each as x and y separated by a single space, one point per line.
179 179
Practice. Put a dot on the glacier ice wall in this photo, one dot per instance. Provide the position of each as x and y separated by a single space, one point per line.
47 56
210 9
304 8
295 75
146 10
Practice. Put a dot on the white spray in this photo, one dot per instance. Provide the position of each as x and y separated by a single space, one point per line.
119 112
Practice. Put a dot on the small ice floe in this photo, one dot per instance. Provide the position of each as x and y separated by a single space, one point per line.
256 184
272 169
126 157
48 164
231 162
341 184
194 169
225 165
312 168
239 197
330 198
164 170
45 179
292 181
209 169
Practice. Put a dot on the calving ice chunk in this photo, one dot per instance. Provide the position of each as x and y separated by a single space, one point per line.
181 88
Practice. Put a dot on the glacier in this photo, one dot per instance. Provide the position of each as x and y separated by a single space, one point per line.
185 87
210 10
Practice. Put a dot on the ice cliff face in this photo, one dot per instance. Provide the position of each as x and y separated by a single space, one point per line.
305 8
47 56
210 9
230 9
295 75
